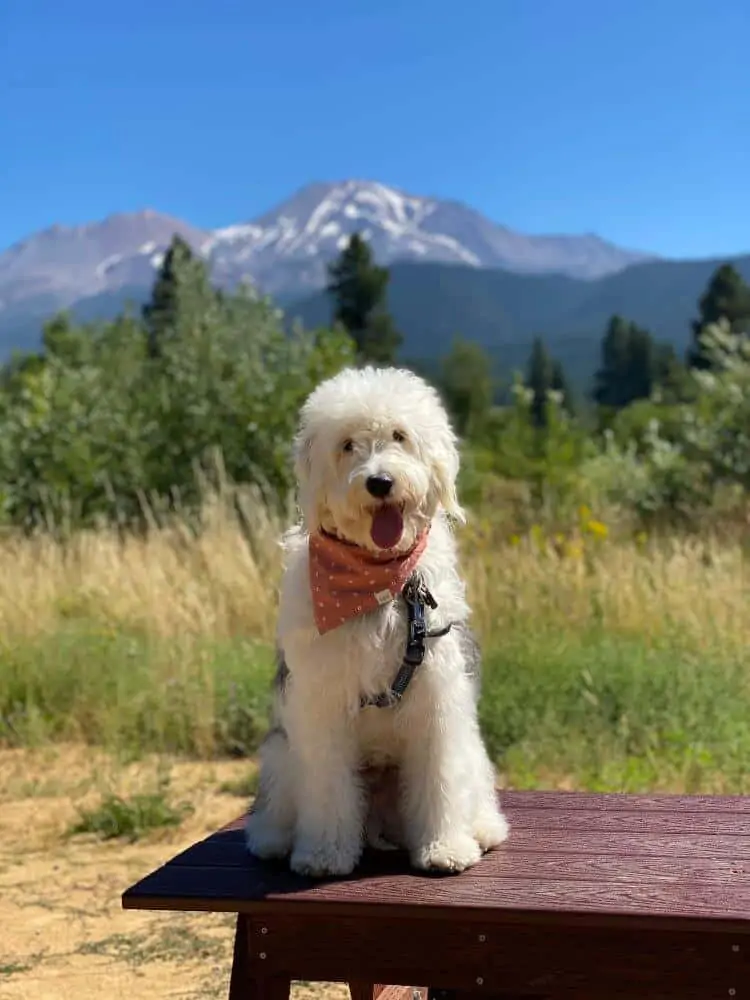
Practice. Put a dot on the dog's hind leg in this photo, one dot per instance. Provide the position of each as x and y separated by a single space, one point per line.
269 828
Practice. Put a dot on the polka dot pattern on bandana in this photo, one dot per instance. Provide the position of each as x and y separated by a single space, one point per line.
347 581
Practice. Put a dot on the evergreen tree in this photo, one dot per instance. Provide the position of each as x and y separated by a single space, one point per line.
608 380
540 377
631 362
182 279
642 369
467 385
359 288
559 384
727 296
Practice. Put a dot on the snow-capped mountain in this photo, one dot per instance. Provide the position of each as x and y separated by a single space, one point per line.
288 247
285 251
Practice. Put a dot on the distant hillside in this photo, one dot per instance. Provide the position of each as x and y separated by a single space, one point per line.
432 303
21 326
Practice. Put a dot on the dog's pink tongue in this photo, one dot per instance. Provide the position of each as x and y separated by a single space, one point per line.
387 527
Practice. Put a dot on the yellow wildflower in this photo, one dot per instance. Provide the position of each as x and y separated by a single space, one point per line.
597 528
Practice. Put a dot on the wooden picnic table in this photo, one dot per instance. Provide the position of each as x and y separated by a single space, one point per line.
594 897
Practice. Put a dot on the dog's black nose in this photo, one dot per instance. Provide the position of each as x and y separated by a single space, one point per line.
379 486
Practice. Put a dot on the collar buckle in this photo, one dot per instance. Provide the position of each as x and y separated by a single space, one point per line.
416 596
415 644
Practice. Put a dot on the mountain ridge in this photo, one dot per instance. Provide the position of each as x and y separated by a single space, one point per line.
285 249
433 303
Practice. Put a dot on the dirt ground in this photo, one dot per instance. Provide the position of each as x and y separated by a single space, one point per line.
64 934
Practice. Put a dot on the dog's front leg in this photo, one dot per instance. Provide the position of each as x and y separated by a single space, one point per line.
329 797
437 791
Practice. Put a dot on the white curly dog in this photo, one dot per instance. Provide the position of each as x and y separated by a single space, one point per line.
378 670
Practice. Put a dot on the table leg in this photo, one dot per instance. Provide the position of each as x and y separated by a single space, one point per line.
245 983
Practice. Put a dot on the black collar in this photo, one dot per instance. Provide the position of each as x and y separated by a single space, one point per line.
417 597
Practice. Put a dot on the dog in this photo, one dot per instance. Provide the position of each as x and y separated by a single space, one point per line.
375 738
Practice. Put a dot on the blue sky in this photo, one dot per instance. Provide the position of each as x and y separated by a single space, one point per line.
630 118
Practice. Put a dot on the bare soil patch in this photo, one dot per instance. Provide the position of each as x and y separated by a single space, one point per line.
65 935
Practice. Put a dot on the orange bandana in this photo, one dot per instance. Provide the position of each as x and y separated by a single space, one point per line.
346 580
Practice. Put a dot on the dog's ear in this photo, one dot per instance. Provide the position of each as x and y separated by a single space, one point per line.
445 470
303 456
303 446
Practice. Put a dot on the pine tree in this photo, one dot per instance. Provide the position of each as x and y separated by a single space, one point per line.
560 385
359 288
539 379
631 364
614 363
726 296
180 278
642 367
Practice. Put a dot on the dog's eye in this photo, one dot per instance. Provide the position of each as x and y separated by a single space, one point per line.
348 445
399 436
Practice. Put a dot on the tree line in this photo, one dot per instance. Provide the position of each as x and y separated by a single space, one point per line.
120 419
633 364
128 419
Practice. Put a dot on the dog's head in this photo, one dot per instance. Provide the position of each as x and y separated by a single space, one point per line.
376 458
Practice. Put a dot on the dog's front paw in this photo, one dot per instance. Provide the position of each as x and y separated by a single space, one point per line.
451 854
265 839
320 858
490 829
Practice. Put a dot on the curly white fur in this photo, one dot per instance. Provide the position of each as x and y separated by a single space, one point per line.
312 801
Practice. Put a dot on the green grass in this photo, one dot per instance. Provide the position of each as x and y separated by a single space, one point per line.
613 712
131 818
581 706
134 693
13 968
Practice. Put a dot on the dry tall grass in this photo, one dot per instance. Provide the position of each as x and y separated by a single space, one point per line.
221 582
698 589
218 582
